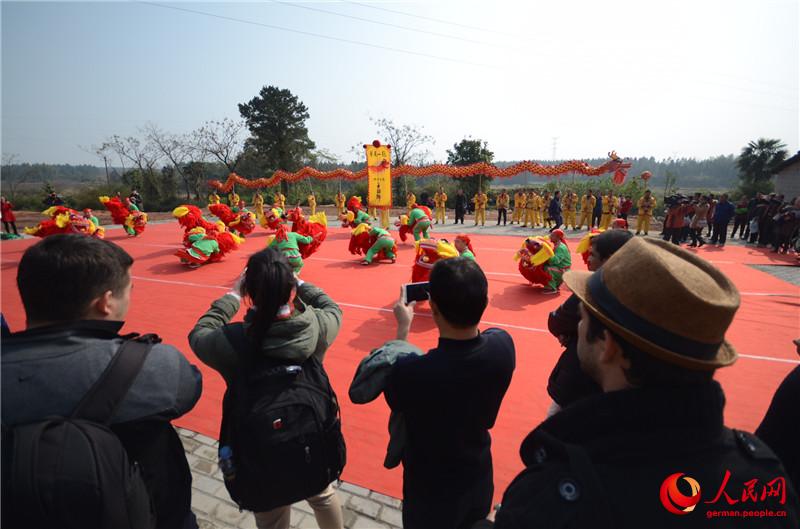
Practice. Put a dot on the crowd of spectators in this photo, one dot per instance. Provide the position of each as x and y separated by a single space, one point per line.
634 395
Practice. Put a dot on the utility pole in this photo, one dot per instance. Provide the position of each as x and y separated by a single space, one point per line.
555 145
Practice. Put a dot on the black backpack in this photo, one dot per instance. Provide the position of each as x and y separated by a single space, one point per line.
283 425
73 472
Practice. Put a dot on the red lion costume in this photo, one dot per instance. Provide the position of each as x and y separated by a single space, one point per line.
242 222
533 255
134 221
316 227
191 219
65 220
428 251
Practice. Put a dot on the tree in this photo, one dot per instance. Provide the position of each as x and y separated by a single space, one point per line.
757 164
408 147
179 150
276 119
12 175
221 140
468 152
145 156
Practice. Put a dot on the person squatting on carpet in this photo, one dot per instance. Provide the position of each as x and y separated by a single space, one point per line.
76 291
560 262
285 335
449 398
601 461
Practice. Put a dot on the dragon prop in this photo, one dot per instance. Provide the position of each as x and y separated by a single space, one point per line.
418 222
65 220
241 221
316 227
203 241
615 165
133 220
373 244
428 251
532 256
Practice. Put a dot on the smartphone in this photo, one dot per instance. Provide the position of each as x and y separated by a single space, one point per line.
416 292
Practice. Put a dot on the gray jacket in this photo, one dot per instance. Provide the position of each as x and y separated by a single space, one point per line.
369 382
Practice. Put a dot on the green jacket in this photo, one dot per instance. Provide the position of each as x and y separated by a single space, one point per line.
311 329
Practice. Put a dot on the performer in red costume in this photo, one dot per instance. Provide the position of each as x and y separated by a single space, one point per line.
242 222
532 256
316 227
127 214
428 251
354 214
65 220
203 241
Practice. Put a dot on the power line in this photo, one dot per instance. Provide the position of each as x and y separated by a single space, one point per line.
380 23
318 35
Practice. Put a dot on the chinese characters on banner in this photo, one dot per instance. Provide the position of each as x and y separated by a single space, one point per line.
379 177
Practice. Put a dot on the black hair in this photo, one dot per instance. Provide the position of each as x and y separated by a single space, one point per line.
460 291
59 276
645 369
268 282
610 241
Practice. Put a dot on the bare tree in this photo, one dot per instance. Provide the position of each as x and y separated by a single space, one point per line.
179 150
408 142
222 140
103 152
144 155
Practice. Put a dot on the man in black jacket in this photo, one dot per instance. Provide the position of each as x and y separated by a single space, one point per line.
449 398
554 211
76 292
461 206
651 450
568 383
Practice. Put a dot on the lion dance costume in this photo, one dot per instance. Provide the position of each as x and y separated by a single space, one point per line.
584 247
133 220
428 252
532 256
315 226
203 241
417 222
240 221
65 220
373 243
469 252
354 214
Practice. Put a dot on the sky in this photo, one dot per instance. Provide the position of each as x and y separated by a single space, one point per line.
536 80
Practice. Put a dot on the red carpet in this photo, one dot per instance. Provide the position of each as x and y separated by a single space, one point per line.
168 298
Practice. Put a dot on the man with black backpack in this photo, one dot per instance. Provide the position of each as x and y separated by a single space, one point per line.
87 441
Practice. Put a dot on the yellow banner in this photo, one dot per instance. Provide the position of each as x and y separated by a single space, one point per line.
379 169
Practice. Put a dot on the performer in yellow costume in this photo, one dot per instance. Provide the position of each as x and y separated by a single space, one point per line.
440 202
233 199
544 210
213 198
588 202
646 204
609 209
519 207
569 205
279 200
411 202
529 217
258 205
312 204
339 200
480 201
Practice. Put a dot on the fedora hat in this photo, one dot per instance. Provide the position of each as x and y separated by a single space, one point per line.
663 300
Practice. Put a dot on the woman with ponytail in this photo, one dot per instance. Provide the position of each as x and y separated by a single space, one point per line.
290 323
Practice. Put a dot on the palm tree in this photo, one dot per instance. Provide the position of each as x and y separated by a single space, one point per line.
759 158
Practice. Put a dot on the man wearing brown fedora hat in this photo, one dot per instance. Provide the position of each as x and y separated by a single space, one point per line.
651 450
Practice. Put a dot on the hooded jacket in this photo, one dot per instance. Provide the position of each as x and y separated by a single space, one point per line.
310 330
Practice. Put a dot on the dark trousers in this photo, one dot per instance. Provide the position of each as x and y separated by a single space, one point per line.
720 233
697 237
452 505
596 218
501 212
558 220
739 223
459 215
673 234
766 232
13 225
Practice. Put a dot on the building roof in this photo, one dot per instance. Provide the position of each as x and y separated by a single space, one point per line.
787 163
